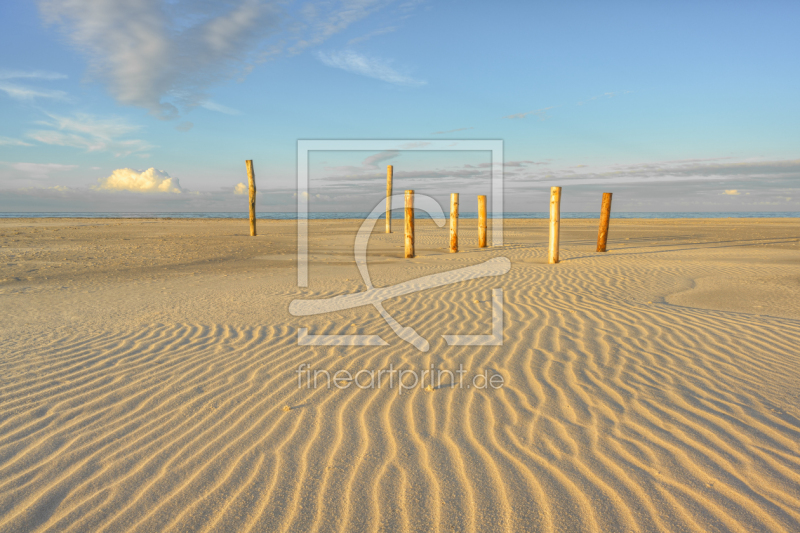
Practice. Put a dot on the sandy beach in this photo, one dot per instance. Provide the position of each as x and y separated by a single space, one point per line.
151 380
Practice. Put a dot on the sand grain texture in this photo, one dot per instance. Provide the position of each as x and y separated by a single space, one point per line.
146 367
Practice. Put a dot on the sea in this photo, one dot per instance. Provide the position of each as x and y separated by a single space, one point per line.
399 215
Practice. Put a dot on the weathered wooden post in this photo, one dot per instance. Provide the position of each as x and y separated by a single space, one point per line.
481 221
605 215
409 224
389 172
555 224
251 180
453 222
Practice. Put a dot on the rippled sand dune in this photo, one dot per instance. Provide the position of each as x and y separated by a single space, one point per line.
149 380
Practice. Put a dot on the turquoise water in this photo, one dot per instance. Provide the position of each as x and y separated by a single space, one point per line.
399 214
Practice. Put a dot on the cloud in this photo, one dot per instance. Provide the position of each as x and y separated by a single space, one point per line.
19 92
150 180
184 126
318 22
370 35
41 170
219 108
164 55
731 192
31 74
541 113
356 63
90 133
372 161
7 141
150 52
241 188
748 173
451 131
603 96
414 144
24 93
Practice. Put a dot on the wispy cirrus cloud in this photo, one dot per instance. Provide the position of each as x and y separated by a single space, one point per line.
370 35
372 161
724 170
604 96
41 170
8 141
149 52
31 75
451 131
10 85
219 108
351 61
541 113
163 56
90 133
20 92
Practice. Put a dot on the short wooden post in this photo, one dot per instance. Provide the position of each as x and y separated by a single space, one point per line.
481 221
555 224
251 180
453 222
605 215
389 172
409 224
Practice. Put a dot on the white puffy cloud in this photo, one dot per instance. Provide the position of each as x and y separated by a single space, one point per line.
150 180
240 188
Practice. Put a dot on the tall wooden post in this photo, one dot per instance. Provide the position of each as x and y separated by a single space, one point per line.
453 222
555 224
481 221
251 180
409 224
605 215
389 172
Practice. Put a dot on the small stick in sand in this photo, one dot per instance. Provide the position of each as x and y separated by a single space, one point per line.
409 224
481 221
389 172
605 215
454 222
555 224
251 180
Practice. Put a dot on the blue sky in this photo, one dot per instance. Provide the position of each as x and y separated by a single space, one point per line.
686 106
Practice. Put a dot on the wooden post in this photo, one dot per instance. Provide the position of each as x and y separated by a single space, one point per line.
605 215
409 224
453 222
389 172
481 221
555 224
251 180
